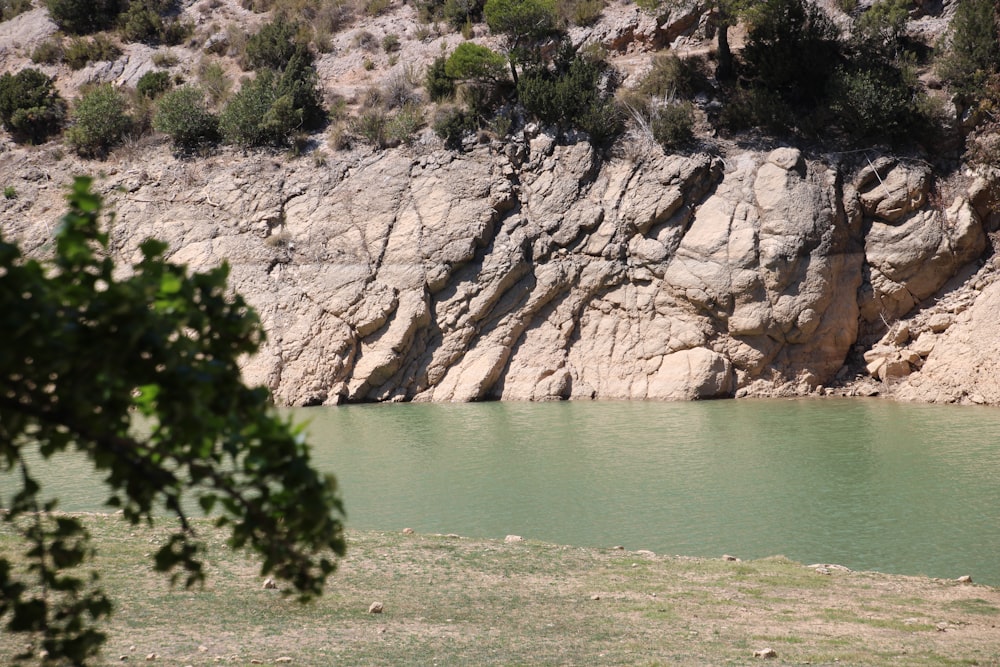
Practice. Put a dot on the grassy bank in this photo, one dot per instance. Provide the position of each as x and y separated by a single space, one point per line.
456 601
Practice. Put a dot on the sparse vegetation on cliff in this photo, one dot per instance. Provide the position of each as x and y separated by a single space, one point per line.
798 75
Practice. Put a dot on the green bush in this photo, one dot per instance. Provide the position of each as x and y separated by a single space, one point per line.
437 83
672 124
183 115
574 92
875 102
474 62
372 126
404 124
758 107
390 43
603 120
246 120
971 48
83 50
792 49
30 107
884 22
452 125
459 13
147 21
214 80
48 52
274 45
671 76
300 82
100 120
141 23
81 17
270 108
153 83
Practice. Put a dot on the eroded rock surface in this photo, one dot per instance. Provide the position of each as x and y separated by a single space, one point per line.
542 270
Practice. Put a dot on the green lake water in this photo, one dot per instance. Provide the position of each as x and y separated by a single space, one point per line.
870 484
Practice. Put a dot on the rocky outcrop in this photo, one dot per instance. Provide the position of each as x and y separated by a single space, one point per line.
540 270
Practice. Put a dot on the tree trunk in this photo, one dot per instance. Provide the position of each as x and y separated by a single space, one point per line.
724 70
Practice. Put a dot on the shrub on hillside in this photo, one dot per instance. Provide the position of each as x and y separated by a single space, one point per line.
147 21
269 109
274 45
301 83
153 83
100 121
459 13
580 12
574 92
81 17
247 119
49 52
11 8
183 115
474 62
452 125
83 50
30 107
671 76
672 124
757 107
214 80
791 49
875 102
437 83
971 48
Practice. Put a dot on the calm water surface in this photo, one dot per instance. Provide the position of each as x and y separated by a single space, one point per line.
868 484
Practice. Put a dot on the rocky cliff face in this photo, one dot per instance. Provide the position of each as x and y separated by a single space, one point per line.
539 270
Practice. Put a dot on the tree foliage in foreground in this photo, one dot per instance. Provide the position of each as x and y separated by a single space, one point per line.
139 377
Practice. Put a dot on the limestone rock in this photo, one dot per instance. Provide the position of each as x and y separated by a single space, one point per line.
556 273
940 322
889 190
964 360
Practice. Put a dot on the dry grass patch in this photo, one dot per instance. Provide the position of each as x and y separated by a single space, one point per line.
456 601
